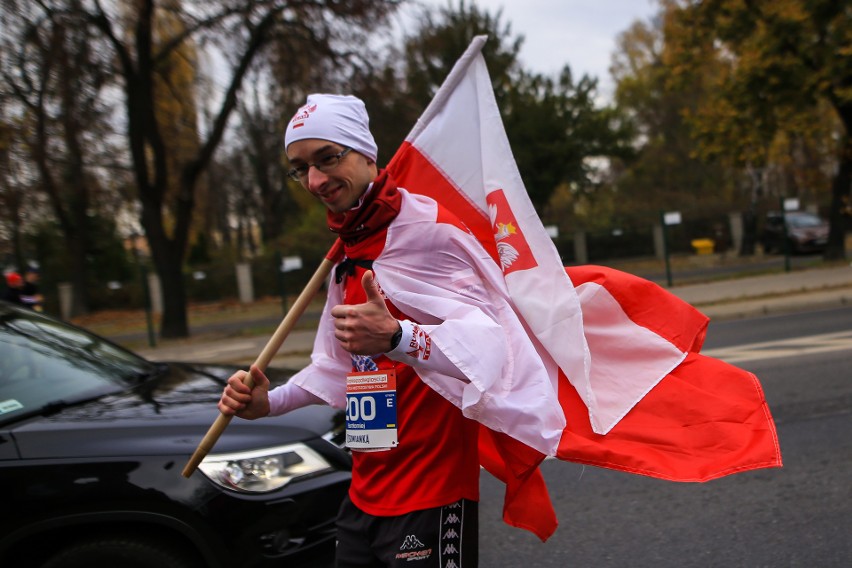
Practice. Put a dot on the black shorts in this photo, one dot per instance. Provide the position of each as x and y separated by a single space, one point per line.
443 537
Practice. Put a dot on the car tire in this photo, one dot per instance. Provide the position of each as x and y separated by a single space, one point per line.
127 552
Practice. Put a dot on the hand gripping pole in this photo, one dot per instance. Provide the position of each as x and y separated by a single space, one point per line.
272 347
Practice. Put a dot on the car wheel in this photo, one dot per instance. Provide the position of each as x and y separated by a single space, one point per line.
127 552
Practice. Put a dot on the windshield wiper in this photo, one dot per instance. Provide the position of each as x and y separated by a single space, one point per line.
156 370
53 407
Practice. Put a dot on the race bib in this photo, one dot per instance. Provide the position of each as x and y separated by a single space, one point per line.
371 411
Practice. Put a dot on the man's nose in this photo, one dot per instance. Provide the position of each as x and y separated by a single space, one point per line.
316 179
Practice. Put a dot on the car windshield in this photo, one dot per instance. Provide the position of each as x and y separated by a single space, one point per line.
46 364
803 221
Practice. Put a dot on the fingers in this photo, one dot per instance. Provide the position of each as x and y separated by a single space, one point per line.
236 387
366 328
368 282
237 395
259 378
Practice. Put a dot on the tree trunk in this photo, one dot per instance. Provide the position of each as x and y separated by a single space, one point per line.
839 213
169 265
175 323
747 247
839 216
77 254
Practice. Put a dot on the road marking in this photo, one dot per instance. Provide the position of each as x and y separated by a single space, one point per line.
823 343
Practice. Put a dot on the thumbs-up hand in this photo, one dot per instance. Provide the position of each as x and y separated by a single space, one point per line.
365 329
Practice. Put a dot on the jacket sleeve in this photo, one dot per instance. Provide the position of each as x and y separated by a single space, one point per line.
288 396
329 361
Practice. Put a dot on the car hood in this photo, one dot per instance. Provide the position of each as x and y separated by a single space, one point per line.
166 414
821 231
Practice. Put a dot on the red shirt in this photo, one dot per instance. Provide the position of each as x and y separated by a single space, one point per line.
436 461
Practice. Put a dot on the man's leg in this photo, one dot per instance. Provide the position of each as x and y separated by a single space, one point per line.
353 538
443 537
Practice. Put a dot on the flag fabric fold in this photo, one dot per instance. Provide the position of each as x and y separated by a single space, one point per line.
636 394
705 419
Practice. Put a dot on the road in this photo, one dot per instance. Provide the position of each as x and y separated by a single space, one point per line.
798 515
809 324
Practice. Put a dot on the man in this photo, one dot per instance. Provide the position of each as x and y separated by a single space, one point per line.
30 293
394 339
14 285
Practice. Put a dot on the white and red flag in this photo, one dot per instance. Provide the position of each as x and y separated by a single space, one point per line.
636 394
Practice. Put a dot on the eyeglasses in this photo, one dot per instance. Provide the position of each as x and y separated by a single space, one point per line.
324 164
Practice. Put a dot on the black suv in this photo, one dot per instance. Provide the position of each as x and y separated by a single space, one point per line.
93 440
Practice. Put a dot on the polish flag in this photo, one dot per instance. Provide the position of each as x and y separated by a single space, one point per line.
636 393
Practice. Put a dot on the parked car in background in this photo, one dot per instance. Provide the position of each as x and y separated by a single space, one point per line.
93 439
804 232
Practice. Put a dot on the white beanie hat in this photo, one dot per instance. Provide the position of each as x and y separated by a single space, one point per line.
341 119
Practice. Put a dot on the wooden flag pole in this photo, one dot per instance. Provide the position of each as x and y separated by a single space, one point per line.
272 347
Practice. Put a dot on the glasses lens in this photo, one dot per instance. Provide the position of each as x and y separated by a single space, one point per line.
328 163
325 164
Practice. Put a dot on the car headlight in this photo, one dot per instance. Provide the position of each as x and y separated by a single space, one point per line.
263 470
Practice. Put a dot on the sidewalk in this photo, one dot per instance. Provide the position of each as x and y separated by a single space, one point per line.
725 299
771 293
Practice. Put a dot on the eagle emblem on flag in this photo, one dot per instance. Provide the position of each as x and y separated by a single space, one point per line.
512 246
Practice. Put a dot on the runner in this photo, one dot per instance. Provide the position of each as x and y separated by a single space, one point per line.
412 290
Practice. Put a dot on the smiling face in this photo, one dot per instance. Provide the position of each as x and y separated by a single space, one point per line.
340 188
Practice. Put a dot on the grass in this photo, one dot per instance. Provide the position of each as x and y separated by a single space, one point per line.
111 323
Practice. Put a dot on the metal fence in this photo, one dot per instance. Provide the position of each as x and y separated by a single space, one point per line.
697 233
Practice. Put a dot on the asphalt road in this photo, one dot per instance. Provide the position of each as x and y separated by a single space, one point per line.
721 334
799 515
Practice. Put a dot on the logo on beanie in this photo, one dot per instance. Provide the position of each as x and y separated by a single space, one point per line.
302 115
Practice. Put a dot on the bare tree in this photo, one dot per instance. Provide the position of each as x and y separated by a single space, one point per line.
12 193
54 75
244 28
264 135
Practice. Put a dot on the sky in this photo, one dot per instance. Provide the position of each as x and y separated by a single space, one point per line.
580 33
